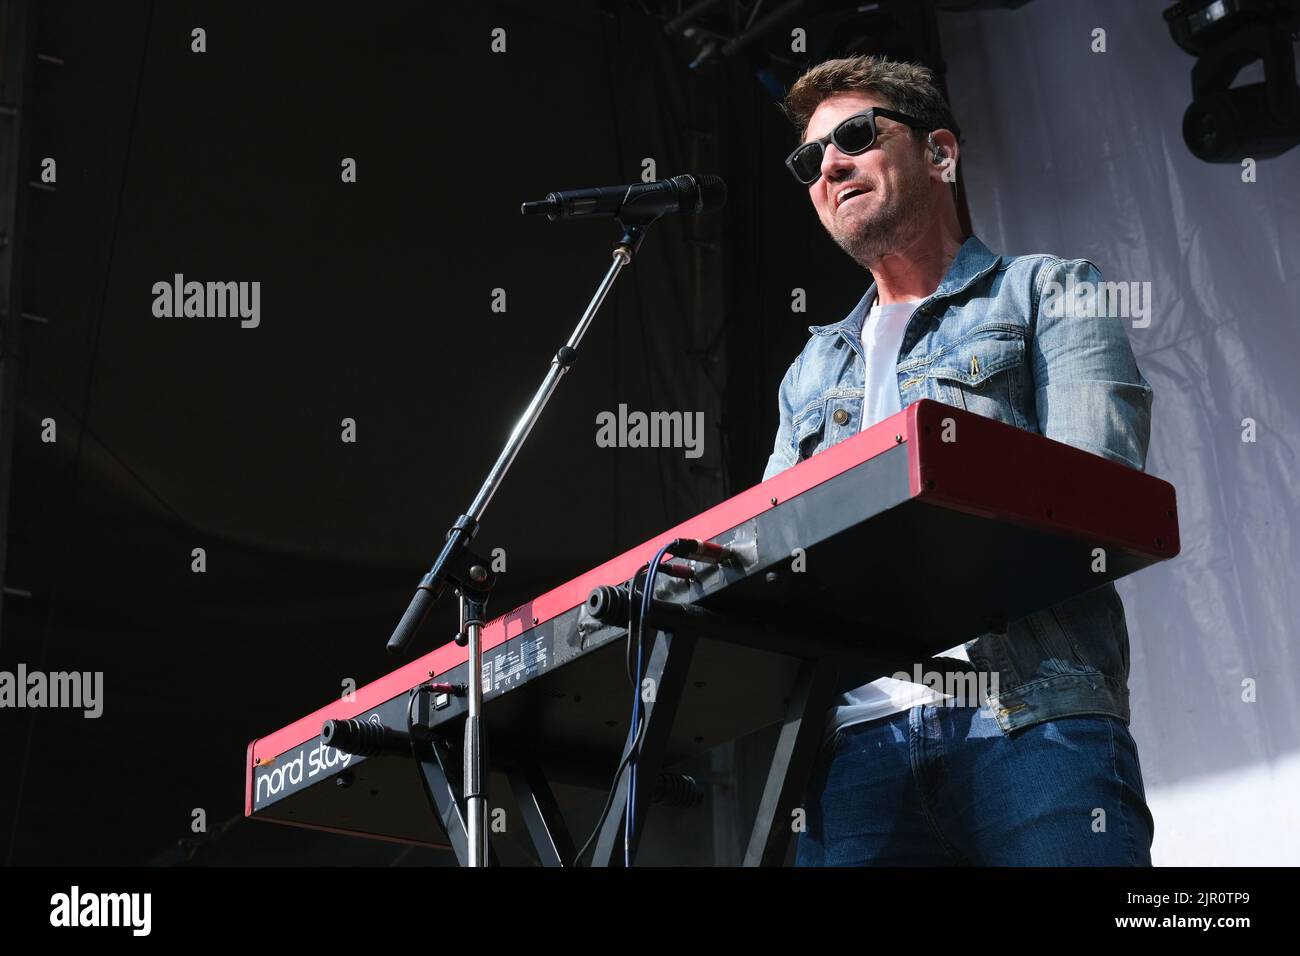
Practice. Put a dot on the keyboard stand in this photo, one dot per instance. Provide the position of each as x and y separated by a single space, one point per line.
816 685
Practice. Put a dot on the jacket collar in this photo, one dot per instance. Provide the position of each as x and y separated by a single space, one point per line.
973 260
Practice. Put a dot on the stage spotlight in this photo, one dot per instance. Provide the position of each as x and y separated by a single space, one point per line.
1226 124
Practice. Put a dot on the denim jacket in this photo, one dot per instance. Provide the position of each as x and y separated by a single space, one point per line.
981 342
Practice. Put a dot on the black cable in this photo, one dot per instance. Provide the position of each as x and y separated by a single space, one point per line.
415 752
609 800
647 597
633 743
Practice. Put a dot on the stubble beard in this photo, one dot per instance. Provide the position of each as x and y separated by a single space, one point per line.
886 229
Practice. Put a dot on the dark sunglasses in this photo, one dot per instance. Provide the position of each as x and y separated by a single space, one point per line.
855 135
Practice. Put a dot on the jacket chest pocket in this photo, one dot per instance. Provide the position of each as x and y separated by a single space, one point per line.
984 373
808 430
827 421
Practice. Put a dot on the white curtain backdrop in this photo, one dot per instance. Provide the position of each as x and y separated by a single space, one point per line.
1080 154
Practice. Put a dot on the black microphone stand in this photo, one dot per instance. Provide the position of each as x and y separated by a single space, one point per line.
470 576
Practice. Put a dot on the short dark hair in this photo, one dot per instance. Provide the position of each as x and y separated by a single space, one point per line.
906 87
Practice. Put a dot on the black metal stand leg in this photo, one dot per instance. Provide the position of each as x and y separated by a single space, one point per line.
438 785
796 752
542 817
441 788
670 659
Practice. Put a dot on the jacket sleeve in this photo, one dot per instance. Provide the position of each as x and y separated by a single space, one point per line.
781 457
1088 390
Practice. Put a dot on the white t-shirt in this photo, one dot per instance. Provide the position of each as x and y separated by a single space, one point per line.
882 337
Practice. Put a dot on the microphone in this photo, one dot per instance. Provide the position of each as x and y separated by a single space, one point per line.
690 194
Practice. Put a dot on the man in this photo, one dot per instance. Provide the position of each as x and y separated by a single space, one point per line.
1044 771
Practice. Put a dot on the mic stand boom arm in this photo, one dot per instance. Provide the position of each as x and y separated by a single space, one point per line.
466 526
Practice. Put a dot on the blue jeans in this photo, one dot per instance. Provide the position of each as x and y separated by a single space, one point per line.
942 786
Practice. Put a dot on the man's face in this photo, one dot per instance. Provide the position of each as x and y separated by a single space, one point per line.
896 198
